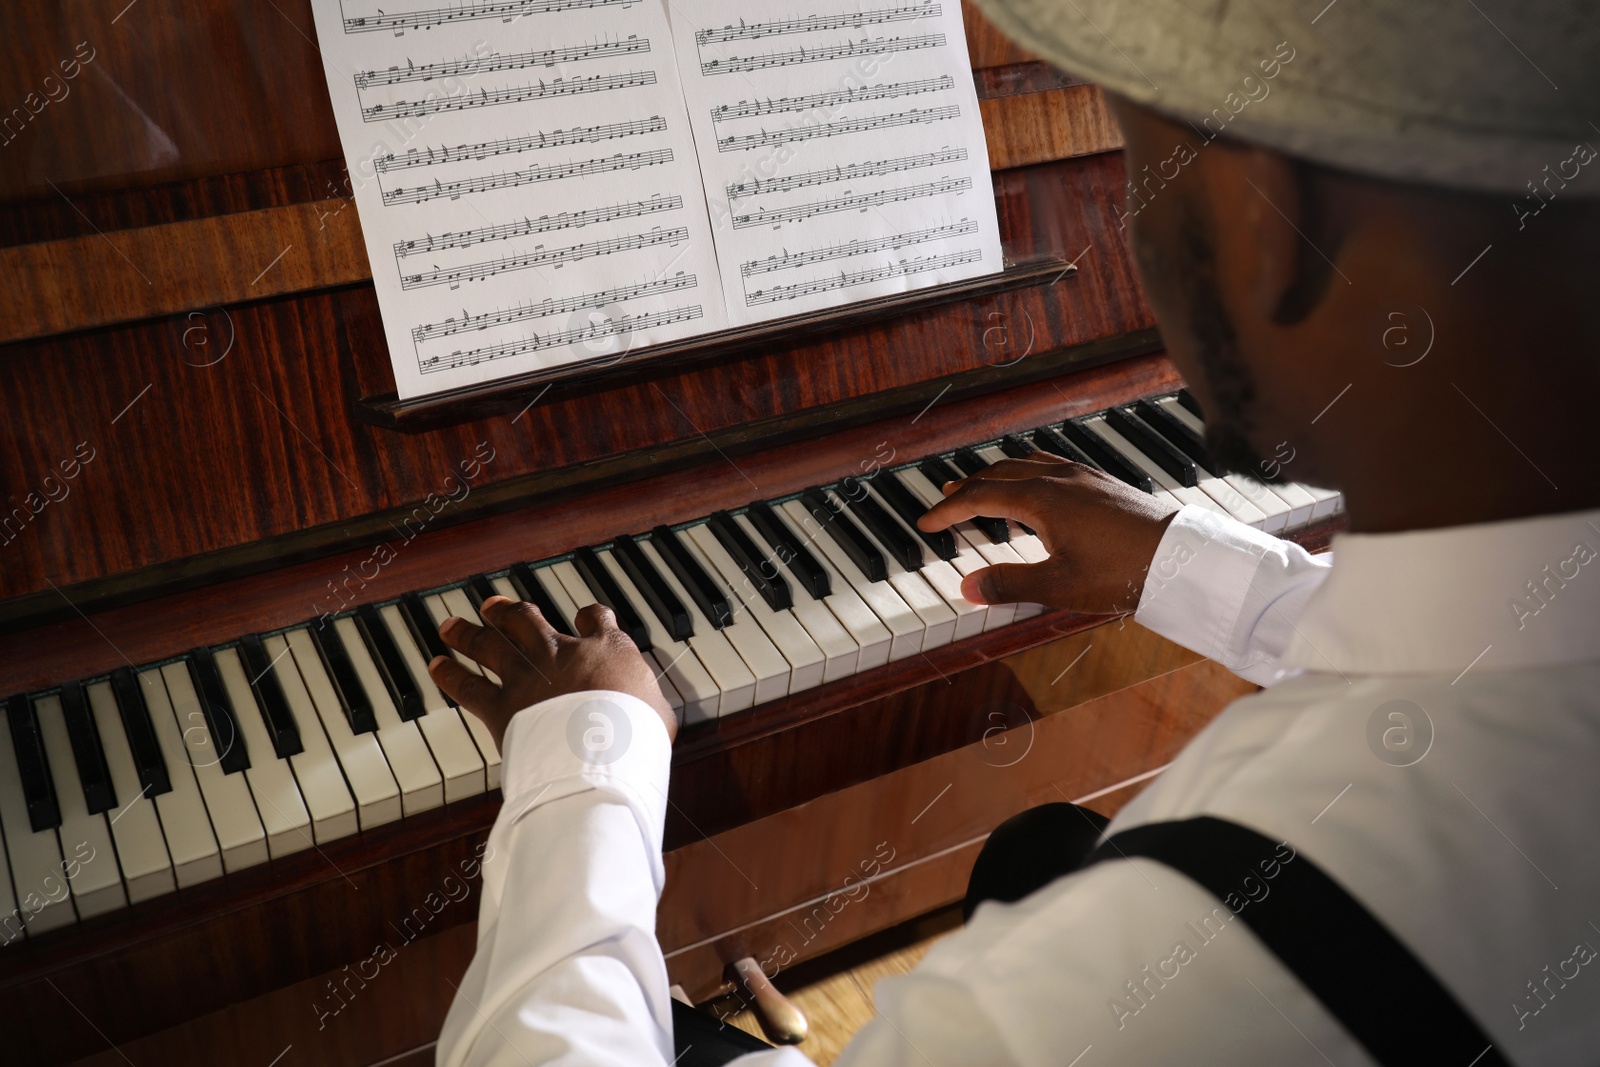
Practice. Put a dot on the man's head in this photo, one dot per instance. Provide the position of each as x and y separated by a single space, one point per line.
1344 263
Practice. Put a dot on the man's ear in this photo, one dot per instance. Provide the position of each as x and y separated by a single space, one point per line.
1282 215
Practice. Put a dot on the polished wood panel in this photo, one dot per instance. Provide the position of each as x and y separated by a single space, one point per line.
1040 127
255 458
83 282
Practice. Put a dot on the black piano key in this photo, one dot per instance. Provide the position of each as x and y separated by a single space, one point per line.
38 791
968 461
901 545
906 504
1016 447
1051 440
937 471
1176 431
530 587
478 589
391 665
1154 447
707 595
794 552
1192 405
762 572
87 753
658 594
850 538
141 732
346 682
425 632
281 727
608 592
1105 457
232 754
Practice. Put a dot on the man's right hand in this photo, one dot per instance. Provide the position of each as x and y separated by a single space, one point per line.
1101 533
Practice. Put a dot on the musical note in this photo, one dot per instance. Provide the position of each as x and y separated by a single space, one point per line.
836 129
920 265
860 246
542 257
854 20
796 212
512 179
475 65
506 10
622 324
596 83
833 99
864 47
552 306
565 220
526 143
844 173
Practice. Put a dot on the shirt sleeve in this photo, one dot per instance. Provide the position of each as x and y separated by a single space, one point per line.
1229 591
567 969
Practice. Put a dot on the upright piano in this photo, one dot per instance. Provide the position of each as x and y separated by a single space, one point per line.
239 823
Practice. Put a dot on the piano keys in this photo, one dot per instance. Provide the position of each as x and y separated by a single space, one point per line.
226 757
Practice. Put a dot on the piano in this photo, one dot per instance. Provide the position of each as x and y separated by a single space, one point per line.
238 820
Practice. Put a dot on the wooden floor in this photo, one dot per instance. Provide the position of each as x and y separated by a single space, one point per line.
835 991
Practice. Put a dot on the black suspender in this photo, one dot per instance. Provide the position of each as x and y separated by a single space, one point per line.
1382 994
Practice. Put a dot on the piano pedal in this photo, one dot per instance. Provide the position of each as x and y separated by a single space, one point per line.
783 1023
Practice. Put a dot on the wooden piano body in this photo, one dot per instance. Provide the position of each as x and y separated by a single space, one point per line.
189 297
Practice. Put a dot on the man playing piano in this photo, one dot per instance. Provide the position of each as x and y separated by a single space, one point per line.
1370 236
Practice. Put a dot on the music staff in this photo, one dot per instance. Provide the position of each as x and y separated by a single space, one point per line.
512 179
903 269
565 220
860 246
835 129
474 65
850 19
513 94
542 257
843 173
505 10
864 47
551 306
797 212
538 343
526 143
753 108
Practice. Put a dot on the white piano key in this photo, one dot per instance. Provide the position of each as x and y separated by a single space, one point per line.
841 654
1210 493
421 784
937 616
316 770
135 825
675 660
44 902
971 619
1025 544
772 672
1328 501
1163 482
229 803
454 752
790 638
96 883
278 801
460 606
1299 502
904 625
191 842
869 633
974 550
361 757
716 654
12 927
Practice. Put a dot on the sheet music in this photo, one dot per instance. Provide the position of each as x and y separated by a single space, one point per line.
526 178
841 149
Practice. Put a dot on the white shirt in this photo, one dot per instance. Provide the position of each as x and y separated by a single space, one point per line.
1468 825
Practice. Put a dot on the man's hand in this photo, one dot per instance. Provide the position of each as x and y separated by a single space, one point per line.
534 662
1101 533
